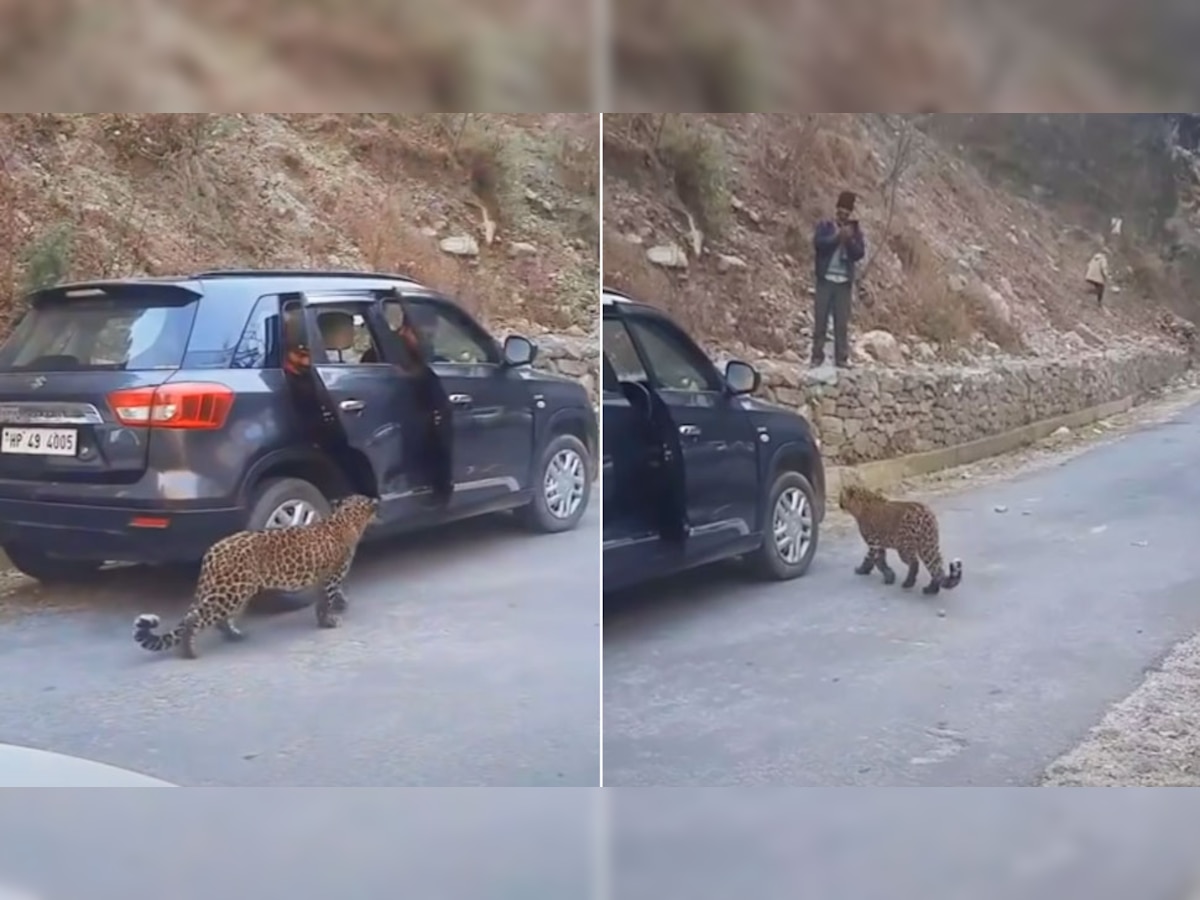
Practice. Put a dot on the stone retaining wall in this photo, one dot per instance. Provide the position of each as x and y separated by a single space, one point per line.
573 356
871 413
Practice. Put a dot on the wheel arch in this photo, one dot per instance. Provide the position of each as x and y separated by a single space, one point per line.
334 474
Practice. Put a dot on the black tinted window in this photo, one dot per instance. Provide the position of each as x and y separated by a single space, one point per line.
677 363
448 335
146 331
620 354
258 347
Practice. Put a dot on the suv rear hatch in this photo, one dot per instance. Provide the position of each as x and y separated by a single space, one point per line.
78 377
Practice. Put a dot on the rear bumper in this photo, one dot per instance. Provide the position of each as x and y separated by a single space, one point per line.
79 531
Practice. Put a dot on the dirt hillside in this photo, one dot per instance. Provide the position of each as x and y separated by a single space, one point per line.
316 56
500 211
979 228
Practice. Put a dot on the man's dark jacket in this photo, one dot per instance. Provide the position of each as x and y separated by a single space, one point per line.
825 242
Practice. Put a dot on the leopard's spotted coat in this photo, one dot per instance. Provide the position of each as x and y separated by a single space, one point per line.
242 565
908 527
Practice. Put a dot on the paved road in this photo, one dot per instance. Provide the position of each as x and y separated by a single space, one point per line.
469 656
1087 579
296 844
897 844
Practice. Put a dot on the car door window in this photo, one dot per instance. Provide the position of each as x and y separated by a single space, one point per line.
446 333
675 363
346 338
620 352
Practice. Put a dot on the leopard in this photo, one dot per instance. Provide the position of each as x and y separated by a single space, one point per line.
906 526
242 565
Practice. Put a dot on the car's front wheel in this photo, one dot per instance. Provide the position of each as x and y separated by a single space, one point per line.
50 570
281 503
790 532
562 484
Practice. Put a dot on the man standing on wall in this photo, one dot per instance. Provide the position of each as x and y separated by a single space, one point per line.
839 245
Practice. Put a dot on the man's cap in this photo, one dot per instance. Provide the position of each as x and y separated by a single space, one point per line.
846 200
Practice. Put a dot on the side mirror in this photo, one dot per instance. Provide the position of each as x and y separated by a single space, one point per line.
741 377
519 351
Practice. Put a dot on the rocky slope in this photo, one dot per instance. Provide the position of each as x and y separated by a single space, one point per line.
970 315
497 210
224 55
947 55
960 265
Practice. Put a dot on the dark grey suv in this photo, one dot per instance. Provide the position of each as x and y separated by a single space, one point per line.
142 420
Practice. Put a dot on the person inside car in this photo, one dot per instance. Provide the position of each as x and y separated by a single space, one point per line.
296 358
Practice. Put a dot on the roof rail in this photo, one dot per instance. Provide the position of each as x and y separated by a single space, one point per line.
299 273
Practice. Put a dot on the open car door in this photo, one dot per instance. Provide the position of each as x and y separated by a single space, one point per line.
667 463
429 422
353 400
317 409
651 450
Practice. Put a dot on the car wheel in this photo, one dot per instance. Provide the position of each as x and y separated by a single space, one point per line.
562 485
790 532
50 570
280 503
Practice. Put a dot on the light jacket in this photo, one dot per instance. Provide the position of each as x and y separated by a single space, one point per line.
1097 269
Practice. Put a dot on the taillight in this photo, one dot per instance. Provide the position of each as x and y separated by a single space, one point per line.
186 405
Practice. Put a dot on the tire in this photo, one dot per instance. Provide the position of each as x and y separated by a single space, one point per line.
538 515
50 570
768 562
270 496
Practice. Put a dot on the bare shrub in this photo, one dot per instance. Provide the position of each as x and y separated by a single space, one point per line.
492 164
695 154
992 325
160 137
47 260
786 163
940 314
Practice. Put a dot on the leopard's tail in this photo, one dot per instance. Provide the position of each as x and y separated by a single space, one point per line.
144 633
954 575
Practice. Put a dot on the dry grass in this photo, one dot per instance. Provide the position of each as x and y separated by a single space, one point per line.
403 53
162 194
683 151
160 139
627 269
931 309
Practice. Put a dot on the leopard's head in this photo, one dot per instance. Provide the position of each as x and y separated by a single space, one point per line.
855 498
358 510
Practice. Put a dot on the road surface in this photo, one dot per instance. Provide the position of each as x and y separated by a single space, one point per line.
1077 579
469 656
897 844
296 844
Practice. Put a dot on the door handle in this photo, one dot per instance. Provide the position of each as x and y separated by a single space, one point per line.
460 399
352 405
689 430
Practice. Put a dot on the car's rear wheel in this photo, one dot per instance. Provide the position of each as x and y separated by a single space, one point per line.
48 569
281 503
562 485
790 532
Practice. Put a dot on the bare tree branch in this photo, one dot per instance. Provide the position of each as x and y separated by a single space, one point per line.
891 183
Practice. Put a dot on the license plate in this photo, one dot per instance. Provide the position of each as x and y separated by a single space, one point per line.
39 441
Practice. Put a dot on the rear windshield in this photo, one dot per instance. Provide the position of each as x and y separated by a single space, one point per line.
149 331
